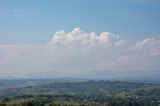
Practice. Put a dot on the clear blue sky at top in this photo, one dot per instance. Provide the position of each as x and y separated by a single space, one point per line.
34 21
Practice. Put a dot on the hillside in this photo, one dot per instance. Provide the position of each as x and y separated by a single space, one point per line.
99 92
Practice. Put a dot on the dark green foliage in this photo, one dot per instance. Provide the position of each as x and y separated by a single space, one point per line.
2 104
89 93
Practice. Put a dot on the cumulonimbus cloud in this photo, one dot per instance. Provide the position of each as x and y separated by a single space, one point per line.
78 52
76 35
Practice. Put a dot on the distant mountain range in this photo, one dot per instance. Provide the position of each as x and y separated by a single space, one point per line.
133 76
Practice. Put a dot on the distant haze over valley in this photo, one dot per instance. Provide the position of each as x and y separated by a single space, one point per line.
80 39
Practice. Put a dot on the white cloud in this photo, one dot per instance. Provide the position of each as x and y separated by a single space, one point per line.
76 35
146 42
78 52
120 43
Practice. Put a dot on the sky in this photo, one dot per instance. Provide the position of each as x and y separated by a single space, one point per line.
80 38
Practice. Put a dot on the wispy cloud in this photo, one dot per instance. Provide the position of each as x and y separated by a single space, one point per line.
12 12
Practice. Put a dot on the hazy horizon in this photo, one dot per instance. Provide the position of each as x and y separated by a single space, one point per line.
99 39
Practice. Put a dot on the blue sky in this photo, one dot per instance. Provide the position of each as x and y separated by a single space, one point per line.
89 38
35 21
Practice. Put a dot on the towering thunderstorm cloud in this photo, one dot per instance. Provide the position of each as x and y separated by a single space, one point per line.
78 53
